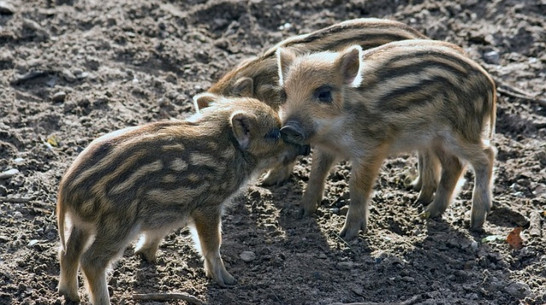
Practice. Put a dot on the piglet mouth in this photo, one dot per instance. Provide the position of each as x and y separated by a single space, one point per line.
292 132
304 150
295 151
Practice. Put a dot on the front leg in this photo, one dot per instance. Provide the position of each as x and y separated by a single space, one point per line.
321 165
279 174
362 180
208 225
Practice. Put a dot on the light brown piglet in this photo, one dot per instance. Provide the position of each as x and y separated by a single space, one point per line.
258 77
151 179
403 96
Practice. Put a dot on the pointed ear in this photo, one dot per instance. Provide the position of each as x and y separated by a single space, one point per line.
244 86
242 123
203 100
349 65
285 57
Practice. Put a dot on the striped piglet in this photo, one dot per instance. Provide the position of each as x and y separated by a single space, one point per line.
151 179
410 95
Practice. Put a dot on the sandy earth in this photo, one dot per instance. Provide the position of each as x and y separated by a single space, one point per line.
72 70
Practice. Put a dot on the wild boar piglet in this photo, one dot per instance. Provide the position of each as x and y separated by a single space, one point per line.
410 95
151 179
258 78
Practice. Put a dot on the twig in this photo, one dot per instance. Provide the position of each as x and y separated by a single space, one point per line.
409 301
534 224
168 297
16 199
510 91
338 237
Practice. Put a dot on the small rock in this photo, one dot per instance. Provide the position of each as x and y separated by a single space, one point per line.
19 161
247 256
285 26
358 291
6 8
345 265
222 44
518 290
82 75
491 57
68 76
36 29
32 242
59 97
9 173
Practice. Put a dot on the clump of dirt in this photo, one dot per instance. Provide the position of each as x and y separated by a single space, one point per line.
73 70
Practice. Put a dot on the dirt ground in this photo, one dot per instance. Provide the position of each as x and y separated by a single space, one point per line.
71 70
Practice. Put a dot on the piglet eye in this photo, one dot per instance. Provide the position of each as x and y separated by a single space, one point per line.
323 94
273 134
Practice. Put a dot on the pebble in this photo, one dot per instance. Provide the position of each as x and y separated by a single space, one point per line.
247 256
285 26
36 28
6 8
518 290
345 265
408 279
59 97
9 173
491 57
358 291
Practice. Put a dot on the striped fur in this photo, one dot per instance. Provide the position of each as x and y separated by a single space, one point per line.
409 95
150 179
258 77
262 70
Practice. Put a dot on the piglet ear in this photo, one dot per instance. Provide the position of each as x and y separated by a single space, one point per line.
350 66
203 100
285 57
244 86
241 124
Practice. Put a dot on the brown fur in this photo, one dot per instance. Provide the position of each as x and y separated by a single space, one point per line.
258 78
150 179
409 95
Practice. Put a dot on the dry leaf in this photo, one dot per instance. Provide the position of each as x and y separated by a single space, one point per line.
53 141
514 239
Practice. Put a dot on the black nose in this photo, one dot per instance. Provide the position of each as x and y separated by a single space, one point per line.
292 132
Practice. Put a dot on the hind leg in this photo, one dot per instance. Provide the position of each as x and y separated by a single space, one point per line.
427 181
108 244
207 223
452 169
149 243
69 261
482 163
